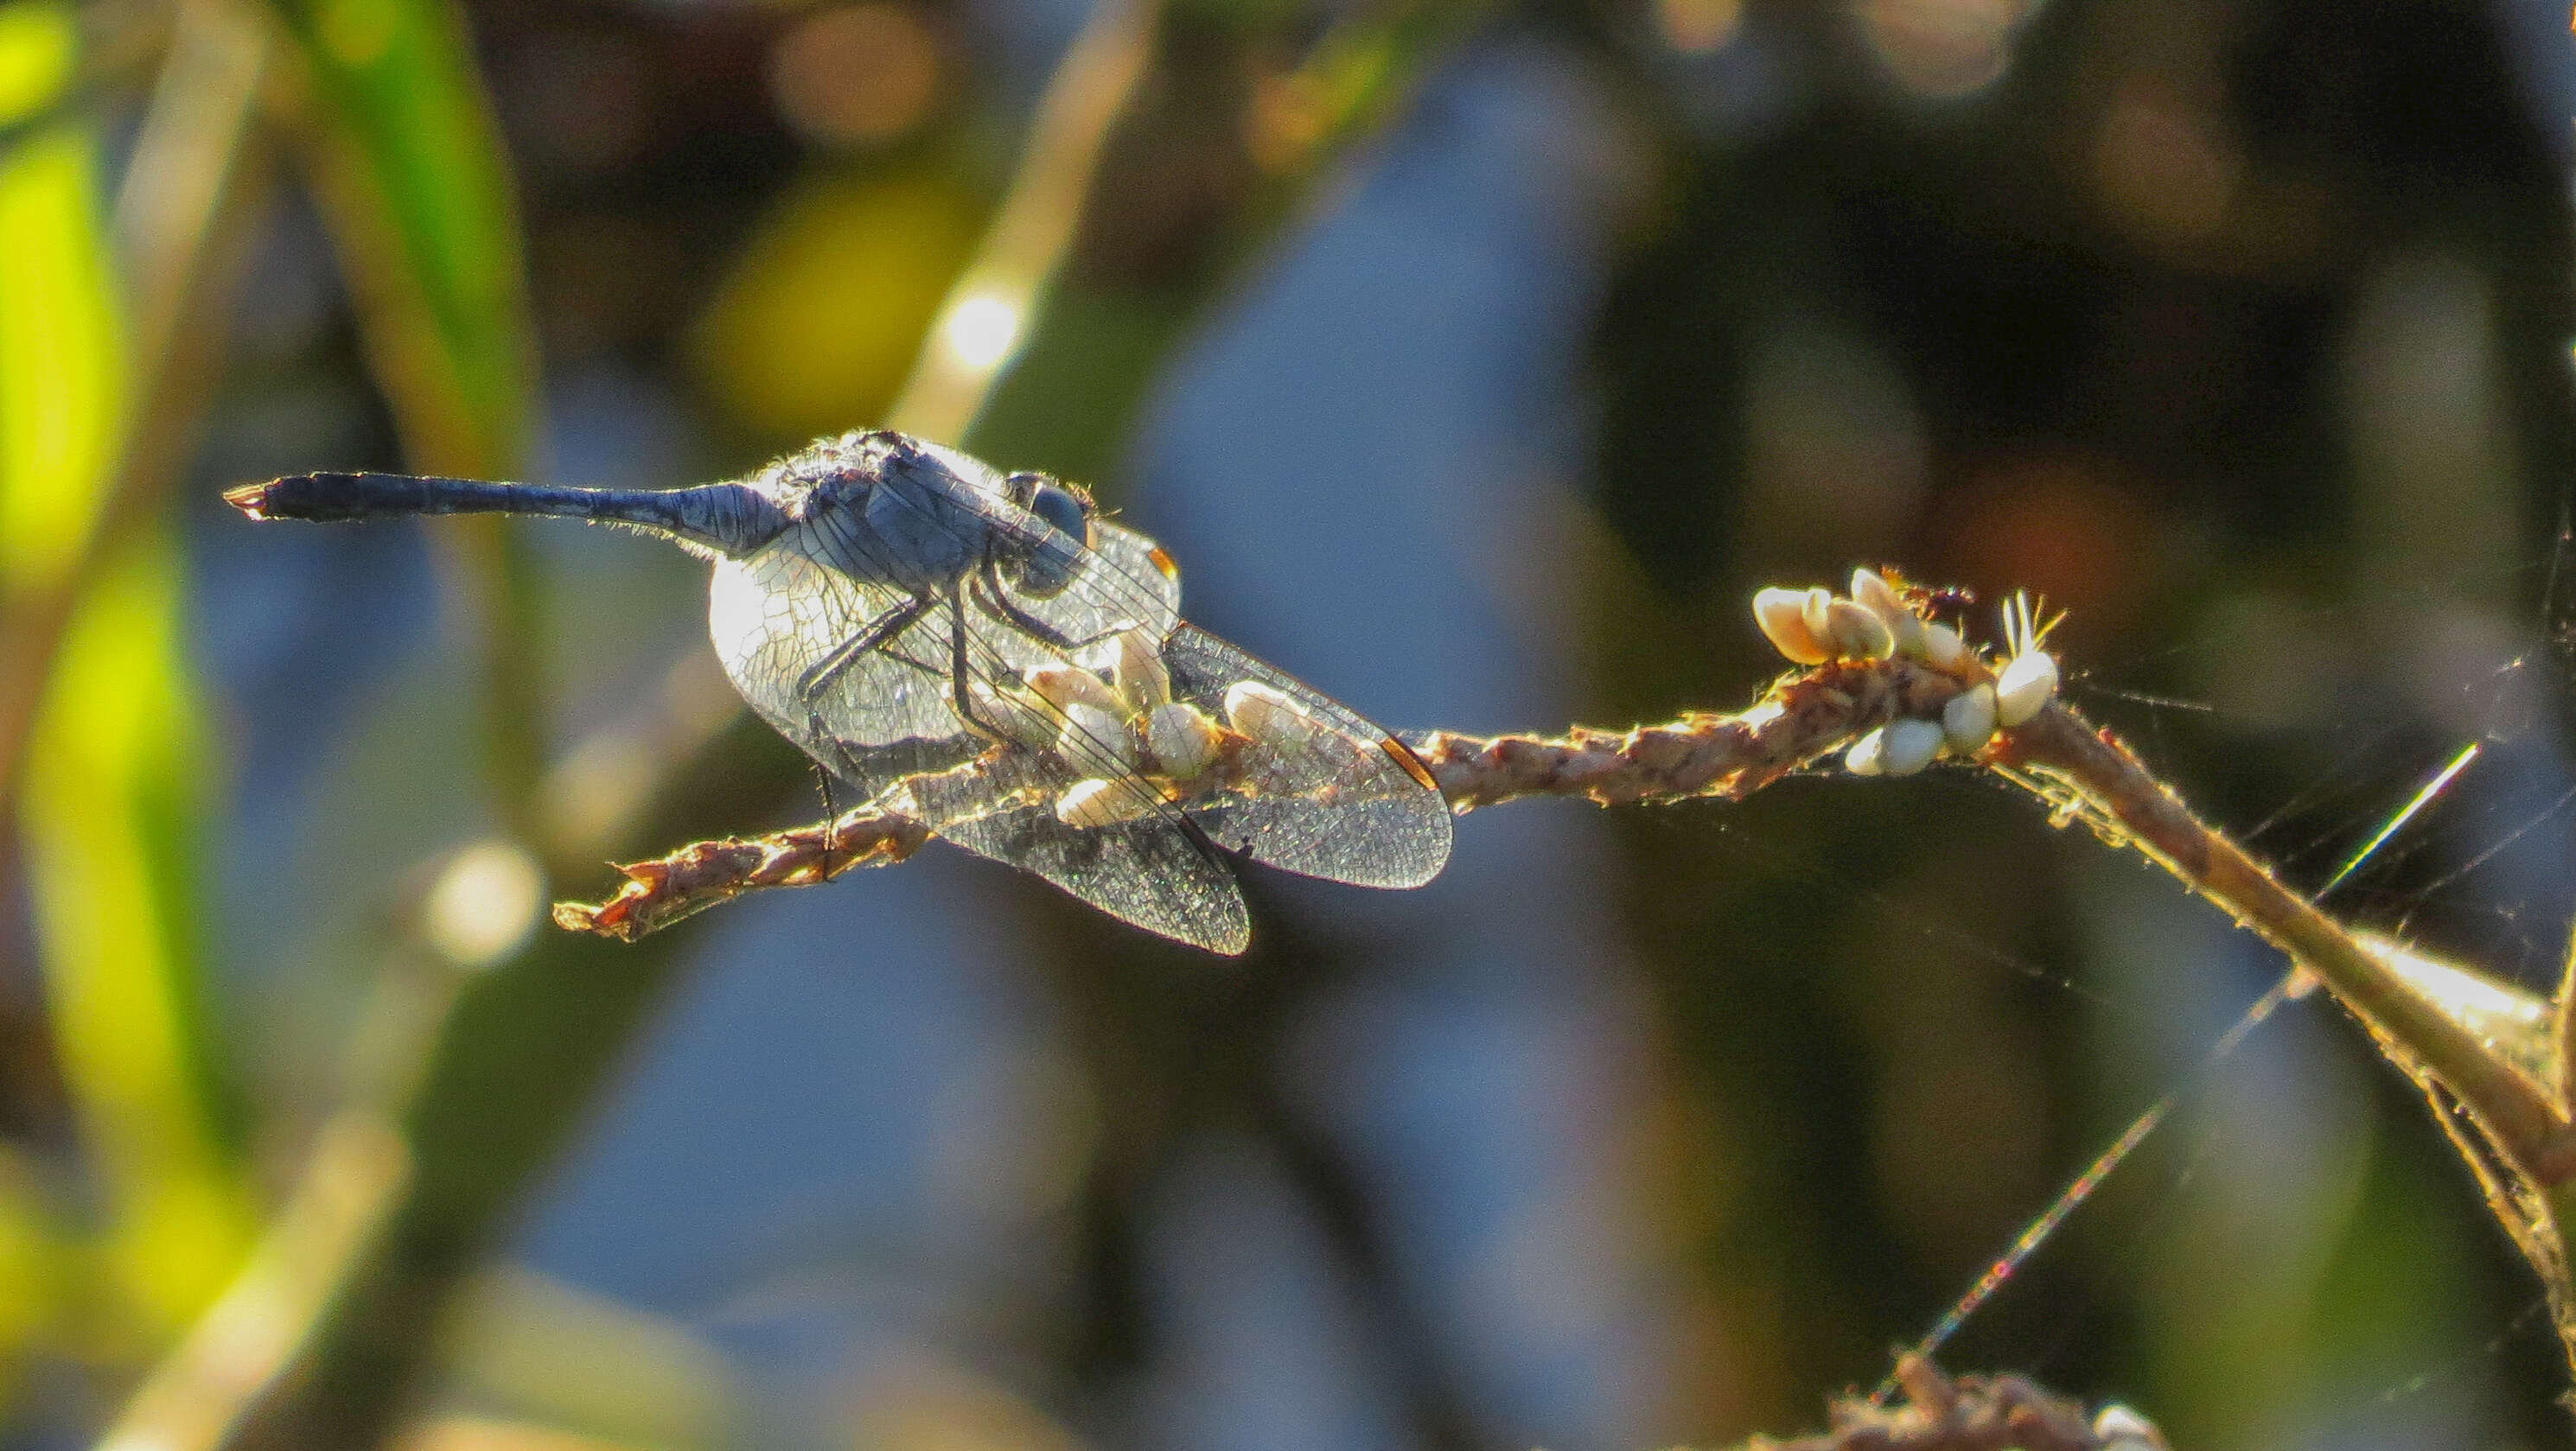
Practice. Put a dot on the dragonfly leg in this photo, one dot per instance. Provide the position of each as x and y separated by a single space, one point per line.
989 592
961 680
879 630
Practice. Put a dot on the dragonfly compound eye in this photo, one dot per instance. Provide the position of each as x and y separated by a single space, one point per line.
1050 562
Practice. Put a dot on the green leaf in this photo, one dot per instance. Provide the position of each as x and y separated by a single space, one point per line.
413 175
411 172
106 811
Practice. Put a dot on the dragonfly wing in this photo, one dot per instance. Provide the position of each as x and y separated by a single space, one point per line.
1155 872
886 714
1124 581
1324 793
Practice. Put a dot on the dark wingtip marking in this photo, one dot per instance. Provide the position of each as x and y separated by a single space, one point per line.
1402 754
1170 567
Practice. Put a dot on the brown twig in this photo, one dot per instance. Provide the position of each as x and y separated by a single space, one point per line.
1972 1413
698 876
1803 716
2517 1135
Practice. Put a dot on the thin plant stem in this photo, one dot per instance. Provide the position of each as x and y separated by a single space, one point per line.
2510 1125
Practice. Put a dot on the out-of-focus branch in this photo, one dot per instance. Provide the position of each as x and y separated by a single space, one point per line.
988 311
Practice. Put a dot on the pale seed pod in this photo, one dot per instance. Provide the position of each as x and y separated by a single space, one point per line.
1780 613
2025 685
1869 587
1019 717
1265 713
1857 633
2119 1428
1094 802
1182 739
1815 611
1066 686
1866 757
1911 746
1943 650
1969 719
1137 672
1872 592
1094 739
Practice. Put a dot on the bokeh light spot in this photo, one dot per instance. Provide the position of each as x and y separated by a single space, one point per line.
1941 48
981 329
819 321
856 75
484 903
1698 26
2162 166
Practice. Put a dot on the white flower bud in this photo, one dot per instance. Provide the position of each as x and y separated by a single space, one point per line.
1872 592
1866 756
1182 739
1910 746
2025 686
1266 714
1021 718
1781 614
1094 802
1857 633
1066 686
1943 650
1137 672
1969 719
2119 1428
1095 740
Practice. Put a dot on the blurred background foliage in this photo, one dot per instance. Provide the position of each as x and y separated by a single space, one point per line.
1476 361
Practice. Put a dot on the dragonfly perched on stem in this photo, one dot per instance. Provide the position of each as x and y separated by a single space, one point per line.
984 654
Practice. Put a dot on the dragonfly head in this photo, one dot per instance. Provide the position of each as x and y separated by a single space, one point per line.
1045 561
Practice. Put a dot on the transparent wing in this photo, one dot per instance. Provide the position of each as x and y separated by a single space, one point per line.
1316 789
1143 862
779 614
1154 873
1074 792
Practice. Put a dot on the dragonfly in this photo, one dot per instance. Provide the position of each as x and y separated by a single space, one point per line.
986 654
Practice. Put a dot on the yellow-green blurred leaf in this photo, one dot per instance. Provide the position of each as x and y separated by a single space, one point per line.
105 809
38 44
107 817
818 322
420 196
60 387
